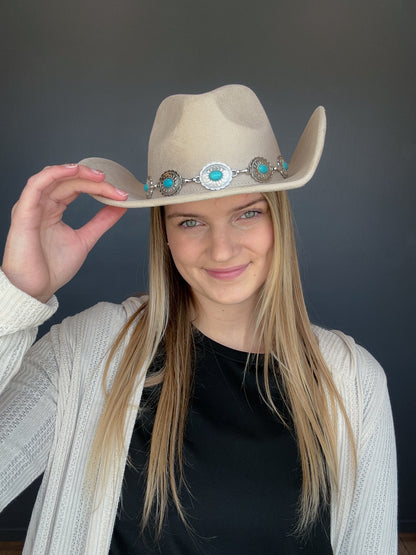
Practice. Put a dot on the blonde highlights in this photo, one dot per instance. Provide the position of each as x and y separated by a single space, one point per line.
292 360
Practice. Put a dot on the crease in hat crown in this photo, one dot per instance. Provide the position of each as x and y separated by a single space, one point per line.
225 126
190 131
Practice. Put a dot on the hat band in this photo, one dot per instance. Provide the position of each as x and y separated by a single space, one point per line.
216 176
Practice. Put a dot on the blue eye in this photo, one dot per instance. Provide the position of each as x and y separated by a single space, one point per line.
189 223
250 214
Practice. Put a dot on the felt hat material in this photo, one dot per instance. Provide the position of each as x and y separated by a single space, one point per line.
224 127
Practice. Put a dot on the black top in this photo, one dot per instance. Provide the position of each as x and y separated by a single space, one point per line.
241 466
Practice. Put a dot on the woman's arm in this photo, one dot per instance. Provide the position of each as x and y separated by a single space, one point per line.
372 522
42 253
27 391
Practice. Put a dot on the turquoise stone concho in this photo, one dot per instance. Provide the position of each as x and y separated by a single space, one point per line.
282 166
216 176
170 183
260 169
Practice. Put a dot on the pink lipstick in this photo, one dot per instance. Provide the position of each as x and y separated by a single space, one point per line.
226 274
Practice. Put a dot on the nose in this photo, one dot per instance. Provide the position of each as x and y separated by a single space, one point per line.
223 244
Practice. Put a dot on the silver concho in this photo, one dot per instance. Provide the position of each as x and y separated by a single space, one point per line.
260 169
215 176
170 183
282 166
148 187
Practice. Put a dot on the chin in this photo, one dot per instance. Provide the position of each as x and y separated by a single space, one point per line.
230 299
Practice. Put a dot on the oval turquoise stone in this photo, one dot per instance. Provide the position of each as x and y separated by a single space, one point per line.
146 187
215 175
285 166
263 168
168 183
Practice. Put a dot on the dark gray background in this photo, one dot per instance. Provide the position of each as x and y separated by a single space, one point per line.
82 78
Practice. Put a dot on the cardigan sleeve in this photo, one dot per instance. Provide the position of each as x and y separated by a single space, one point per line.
27 390
372 521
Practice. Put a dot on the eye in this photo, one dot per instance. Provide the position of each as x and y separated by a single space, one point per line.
250 214
189 223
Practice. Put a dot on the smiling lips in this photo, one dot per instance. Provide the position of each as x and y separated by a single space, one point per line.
226 274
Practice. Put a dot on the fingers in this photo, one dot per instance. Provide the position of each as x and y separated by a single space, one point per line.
99 224
45 180
64 183
69 189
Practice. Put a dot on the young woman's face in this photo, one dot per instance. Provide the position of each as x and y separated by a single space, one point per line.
222 247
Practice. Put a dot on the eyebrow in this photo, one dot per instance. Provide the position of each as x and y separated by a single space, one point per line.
190 215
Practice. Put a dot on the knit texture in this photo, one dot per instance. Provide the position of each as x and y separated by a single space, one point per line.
52 398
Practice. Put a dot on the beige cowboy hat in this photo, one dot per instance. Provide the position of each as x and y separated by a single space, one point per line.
214 144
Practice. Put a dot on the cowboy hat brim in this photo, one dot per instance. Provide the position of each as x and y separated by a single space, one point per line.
302 166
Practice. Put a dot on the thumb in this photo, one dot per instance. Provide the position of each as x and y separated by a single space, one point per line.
99 224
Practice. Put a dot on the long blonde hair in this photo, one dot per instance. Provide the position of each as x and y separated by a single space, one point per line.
292 360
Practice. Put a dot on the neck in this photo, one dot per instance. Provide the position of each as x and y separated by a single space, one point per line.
230 325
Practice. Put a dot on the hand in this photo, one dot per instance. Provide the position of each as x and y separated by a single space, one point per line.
43 253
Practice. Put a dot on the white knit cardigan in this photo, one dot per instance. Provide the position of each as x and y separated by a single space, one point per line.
51 400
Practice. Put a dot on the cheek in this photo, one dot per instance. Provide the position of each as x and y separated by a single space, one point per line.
183 251
174 242
268 248
267 240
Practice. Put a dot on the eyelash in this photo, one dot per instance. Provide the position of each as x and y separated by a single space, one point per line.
186 222
253 213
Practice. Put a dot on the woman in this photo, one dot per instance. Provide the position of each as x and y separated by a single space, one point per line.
247 429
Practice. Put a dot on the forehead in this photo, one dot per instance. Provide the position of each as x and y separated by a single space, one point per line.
216 205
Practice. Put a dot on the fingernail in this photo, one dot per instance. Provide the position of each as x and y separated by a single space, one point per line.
98 172
71 165
121 192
